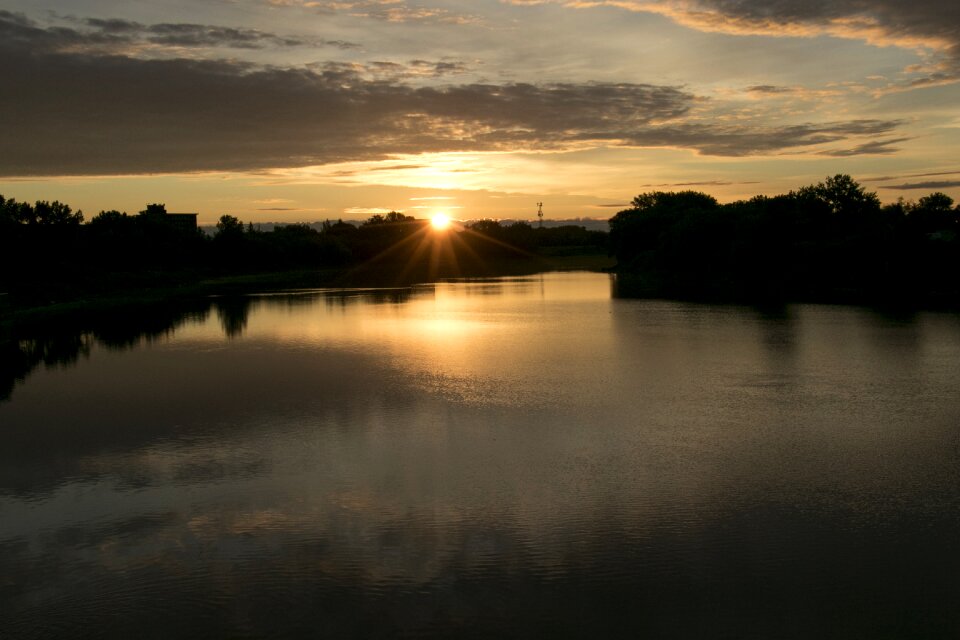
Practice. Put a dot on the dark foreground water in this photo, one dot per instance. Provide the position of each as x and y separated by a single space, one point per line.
512 458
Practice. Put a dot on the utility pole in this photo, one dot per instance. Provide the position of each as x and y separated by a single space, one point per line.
540 214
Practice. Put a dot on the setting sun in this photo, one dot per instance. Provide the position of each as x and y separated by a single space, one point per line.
440 221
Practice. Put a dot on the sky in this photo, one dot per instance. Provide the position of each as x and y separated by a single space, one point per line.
305 110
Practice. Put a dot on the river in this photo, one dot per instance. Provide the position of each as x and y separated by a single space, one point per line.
516 457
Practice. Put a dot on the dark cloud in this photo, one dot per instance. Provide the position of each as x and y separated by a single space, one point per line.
768 89
339 44
116 115
78 113
921 19
346 173
876 147
19 33
747 139
398 167
936 184
910 175
198 35
113 25
932 23
115 36
439 68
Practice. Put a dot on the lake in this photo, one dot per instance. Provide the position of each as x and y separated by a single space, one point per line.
517 457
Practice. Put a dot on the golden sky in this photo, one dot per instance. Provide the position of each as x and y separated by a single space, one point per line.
296 110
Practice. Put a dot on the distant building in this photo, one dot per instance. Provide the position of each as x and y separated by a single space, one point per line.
183 221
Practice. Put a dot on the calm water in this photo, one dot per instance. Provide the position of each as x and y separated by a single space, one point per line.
520 457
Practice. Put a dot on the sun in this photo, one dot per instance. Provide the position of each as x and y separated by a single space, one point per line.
440 221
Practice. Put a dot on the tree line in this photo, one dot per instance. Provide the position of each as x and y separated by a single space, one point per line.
831 241
49 253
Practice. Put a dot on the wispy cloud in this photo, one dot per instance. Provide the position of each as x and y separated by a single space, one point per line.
794 92
702 183
367 211
383 70
873 148
911 175
933 184
744 139
386 10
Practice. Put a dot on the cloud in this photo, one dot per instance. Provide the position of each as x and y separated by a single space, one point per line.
198 35
366 211
384 70
124 37
877 147
386 10
737 140
934 184
911 175
76 113
926 24
703 183
769 89
881 22
796 92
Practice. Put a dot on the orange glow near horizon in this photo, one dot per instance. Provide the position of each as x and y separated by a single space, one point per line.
440 222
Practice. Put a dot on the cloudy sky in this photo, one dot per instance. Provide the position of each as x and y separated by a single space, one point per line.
290 110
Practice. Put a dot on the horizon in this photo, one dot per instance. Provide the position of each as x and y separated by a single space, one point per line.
287 110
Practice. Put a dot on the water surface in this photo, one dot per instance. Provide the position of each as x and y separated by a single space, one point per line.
521 457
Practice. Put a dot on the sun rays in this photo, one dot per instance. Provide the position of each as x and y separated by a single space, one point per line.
439 247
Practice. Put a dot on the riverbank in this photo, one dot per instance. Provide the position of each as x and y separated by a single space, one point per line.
710 289
191 285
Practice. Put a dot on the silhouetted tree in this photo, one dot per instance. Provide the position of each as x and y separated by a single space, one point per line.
229 227
933 214
13 212
657 219
841 195
10 212
395 216
109 219
830 240
339 228
154 210
389 218
487 227
55 213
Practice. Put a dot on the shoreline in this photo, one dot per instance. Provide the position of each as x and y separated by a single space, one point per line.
631 285
206 285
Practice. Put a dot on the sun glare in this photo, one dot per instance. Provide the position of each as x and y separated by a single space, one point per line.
440 221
